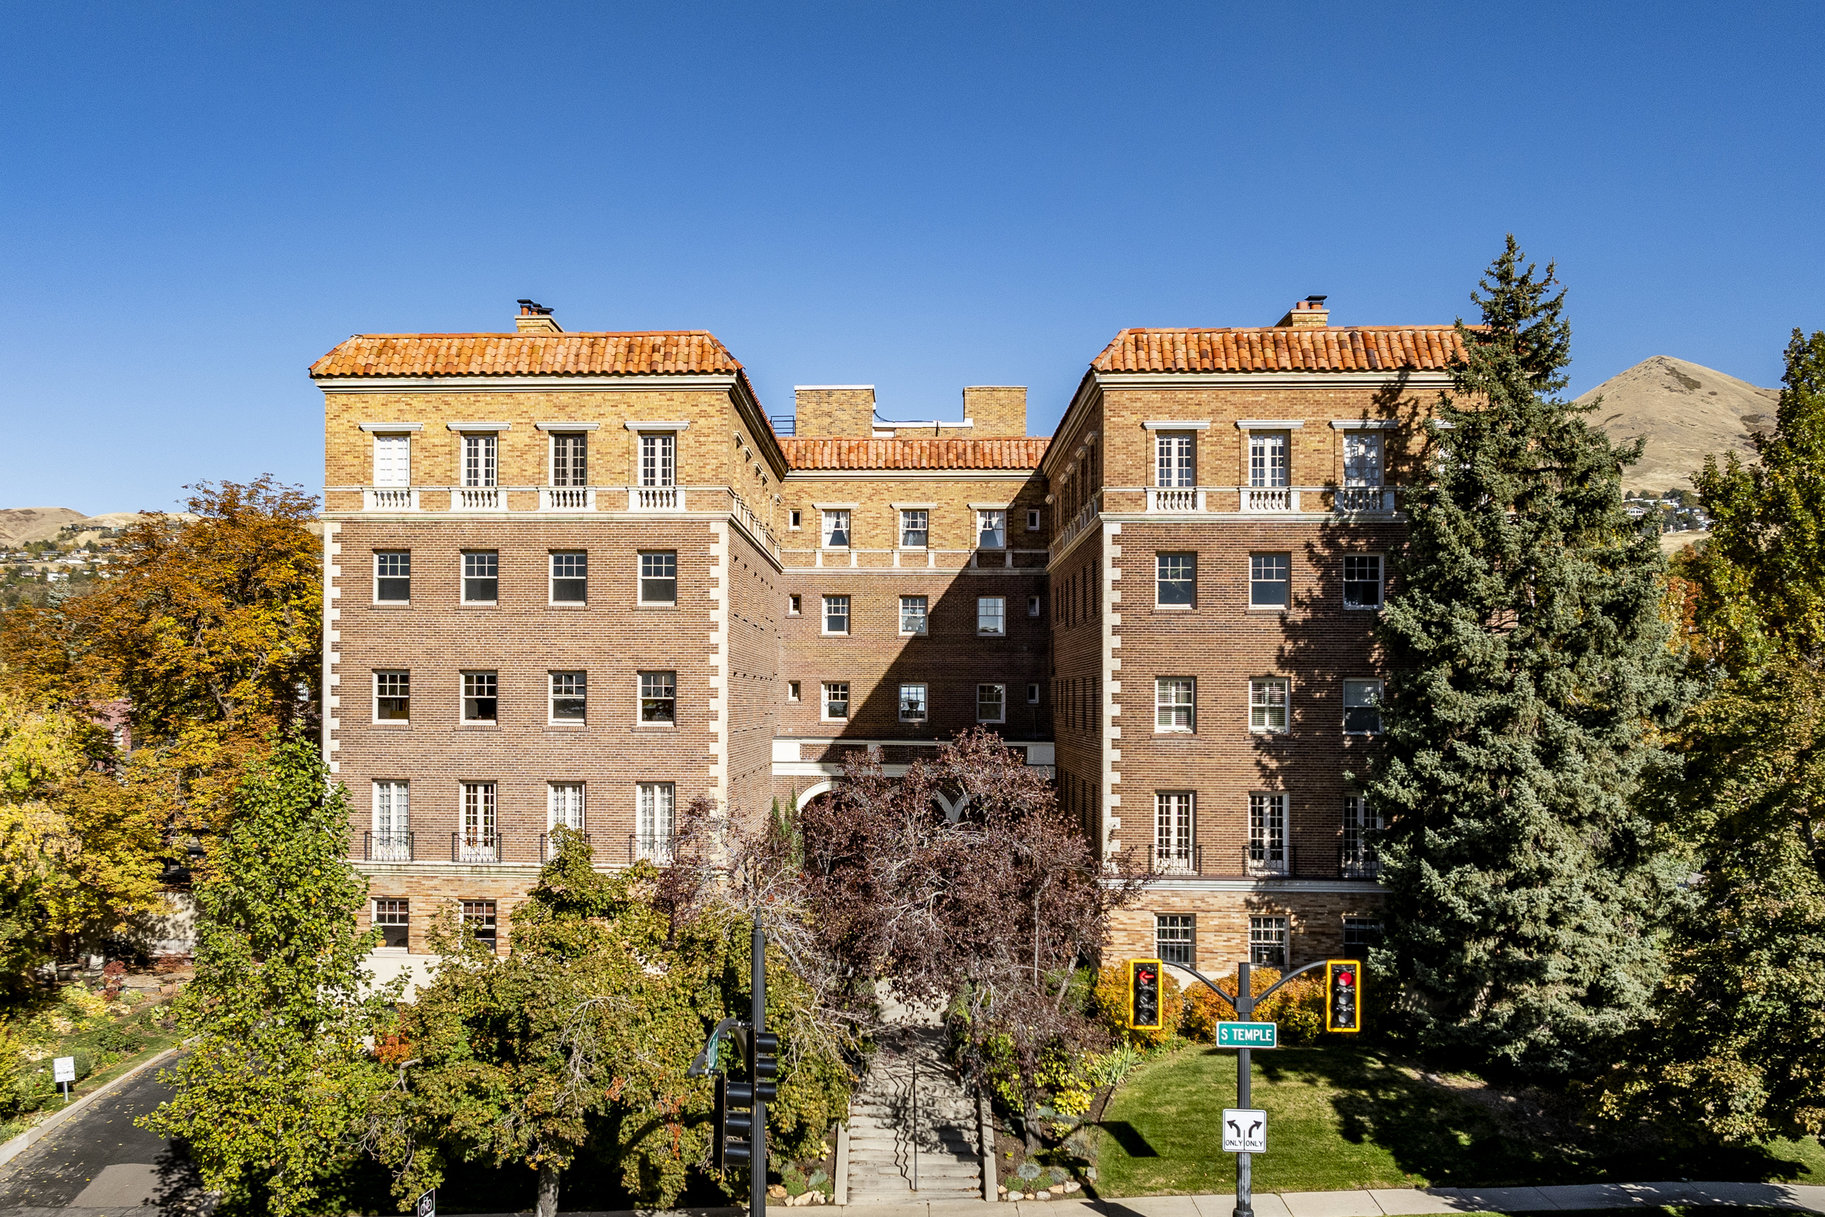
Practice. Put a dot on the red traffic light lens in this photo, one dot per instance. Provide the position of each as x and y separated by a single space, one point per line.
1346 978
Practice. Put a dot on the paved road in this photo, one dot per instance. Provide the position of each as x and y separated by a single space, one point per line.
101 1164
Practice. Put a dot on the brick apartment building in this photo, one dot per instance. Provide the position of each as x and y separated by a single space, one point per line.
583 578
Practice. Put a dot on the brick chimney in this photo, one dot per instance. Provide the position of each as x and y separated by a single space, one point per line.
535 318
1309 314
845 410
995 410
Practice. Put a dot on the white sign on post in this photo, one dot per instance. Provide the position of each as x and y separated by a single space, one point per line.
63 1069
1244 1130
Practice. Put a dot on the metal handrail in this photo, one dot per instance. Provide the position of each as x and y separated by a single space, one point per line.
387 843
481 848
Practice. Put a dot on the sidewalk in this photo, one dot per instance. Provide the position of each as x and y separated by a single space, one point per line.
1373 1202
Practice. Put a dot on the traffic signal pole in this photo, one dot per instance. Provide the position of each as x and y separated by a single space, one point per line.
757 1164
1245 1169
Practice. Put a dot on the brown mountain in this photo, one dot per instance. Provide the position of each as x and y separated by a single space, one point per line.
21 524
1684 411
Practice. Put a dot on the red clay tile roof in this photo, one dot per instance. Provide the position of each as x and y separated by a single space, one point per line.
678 352
1012 453
1368 348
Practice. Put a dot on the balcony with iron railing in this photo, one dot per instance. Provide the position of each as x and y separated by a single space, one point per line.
650 847
1358 859
477 846
1267 860
1175 860
386 847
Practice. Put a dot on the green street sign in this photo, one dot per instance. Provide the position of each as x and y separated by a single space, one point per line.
1248 1035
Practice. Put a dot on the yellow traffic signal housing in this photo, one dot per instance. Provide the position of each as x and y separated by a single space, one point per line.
1343 995
1144 994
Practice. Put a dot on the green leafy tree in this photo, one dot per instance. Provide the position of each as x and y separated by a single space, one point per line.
1736 1044
273 1093
576 1042
1529 670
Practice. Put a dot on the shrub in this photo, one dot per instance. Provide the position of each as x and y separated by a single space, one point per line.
1298 1007
1112 1007
113 976
117 1037
81 1003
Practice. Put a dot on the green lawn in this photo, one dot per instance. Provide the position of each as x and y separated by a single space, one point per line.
1344 1118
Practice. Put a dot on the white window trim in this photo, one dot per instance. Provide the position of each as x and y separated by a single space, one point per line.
390 428
640 580
1250 605
551 719
1177 424
1380 687
462 576
823 701
657 424
1269 424
568 426
1000 633
1036 520
462 696
551 580
1004 702
1288 707
475 426
795 518
1033 692
823 528
1189 728
374 697
924 633
792 691
1381 587
824 616
375 593
925 701
1177 608
582 806
1364 424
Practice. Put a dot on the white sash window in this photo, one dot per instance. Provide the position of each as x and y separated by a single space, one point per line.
564 805
393 460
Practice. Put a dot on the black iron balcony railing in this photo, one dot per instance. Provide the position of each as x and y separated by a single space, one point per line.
1175 859
478 845
386 847
649 847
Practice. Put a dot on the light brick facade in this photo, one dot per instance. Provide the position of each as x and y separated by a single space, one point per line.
792 566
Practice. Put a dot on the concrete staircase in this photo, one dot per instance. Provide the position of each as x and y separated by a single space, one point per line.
894 1140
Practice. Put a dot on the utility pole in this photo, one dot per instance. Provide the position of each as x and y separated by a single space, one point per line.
757 1164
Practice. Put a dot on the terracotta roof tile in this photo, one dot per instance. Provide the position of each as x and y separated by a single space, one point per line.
1367 348
1014 452
674 353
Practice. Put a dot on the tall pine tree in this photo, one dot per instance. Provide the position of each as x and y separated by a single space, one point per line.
1736 1043
1528 672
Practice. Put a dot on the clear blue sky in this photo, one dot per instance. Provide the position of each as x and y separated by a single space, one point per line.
197 201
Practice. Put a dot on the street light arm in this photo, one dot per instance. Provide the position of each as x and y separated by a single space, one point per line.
1212 985
706 1060
1317 963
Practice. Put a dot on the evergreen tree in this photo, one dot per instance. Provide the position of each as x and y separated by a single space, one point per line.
1528 670
273 1092
1736 1044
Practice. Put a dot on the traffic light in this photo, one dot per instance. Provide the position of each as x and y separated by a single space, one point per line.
1144 994
1342 995
763 1064
733 1143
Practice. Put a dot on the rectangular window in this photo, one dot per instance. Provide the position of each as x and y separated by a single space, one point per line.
1032 606
1174 937
477 839
1176 577
1362 707
836 530
1172 703
570 458
915 528
1267 467
569 697
794 605
836 700
1032 693
1360 827
992 529
480 463
1172 828
564 805
1362 458
479 920
393 460
1173 460
912 703
1267 848
480 697
792 690
392 576
991 703
481 576
1267 704
1362 581
1033 519
795 519
392 822
1359 934
392 697
654 821
393 919
913 615
991 616
569 577
658 459
659 577
836 614
1270 580
658 697
1267 942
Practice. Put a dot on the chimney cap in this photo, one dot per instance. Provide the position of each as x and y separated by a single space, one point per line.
1307 314
532 308
1308 299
